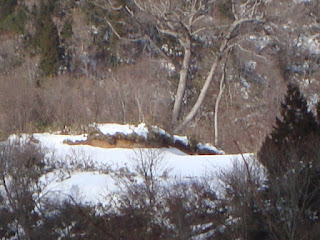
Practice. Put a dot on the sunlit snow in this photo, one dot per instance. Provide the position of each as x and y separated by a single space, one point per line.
86 173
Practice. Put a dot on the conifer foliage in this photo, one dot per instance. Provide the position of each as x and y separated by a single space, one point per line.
48 40
292 132
291 156
49 45
297 120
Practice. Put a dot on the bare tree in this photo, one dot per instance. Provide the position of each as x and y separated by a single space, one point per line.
21 165
182 20
216 107
150 166
243 14
187 22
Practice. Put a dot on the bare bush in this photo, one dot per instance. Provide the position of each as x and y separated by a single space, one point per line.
136 95
244 201
178 209
20 169
262 206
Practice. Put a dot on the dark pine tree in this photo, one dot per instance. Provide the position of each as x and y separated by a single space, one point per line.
291 156
49 48
46 39
297 120
296 125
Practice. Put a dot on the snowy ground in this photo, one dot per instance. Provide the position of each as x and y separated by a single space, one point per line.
88 173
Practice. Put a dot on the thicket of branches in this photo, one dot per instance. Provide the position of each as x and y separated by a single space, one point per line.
276 200
148 206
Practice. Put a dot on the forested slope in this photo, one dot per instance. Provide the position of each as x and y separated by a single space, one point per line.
214 70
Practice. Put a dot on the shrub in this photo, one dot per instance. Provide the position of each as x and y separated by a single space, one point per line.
21 166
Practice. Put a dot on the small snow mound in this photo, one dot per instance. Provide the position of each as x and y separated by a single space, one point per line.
121 136
125 129
141 130
182 139
209 148
160 131
50 140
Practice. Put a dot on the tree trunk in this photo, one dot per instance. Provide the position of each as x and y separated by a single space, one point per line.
216 108
201 97
182 81
223 48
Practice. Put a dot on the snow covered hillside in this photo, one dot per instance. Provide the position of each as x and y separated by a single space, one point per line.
89 173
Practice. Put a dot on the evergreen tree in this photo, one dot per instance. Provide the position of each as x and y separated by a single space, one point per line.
15 22
297 120
42 13
293 130
291 156
49 46
46 39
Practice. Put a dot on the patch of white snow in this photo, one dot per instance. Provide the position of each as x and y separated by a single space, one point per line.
112 129
182 139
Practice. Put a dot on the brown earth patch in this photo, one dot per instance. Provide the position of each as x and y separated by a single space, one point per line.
126 143
119 143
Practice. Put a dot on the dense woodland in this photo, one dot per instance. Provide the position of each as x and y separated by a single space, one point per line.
243 75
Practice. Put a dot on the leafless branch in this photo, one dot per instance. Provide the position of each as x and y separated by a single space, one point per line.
113 7
201 29
255 192
250 52
113 29
105 8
